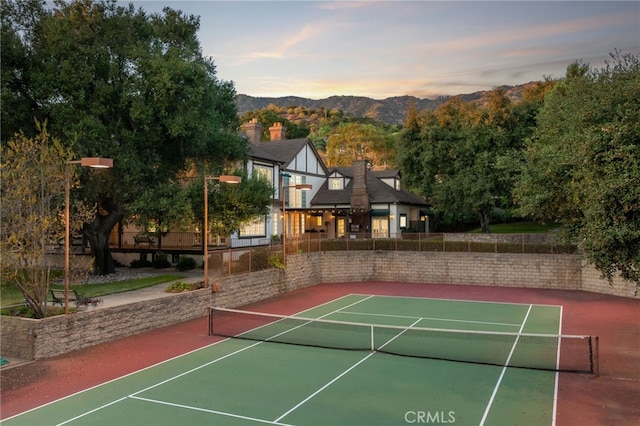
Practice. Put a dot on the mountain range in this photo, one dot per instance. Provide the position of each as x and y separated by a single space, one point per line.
390 110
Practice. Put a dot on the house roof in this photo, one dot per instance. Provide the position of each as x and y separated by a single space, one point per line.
379 192
258 153
283 151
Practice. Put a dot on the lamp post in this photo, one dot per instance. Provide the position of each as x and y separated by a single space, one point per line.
93 162
301 187
226 179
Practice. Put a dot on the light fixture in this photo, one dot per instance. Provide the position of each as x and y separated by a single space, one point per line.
96 162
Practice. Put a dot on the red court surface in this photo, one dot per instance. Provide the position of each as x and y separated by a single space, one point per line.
612 398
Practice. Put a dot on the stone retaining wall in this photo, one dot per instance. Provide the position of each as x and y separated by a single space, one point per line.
552 271
36 339
30 339
503 270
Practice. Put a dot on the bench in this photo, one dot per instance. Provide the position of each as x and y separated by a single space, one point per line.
138 240
57 297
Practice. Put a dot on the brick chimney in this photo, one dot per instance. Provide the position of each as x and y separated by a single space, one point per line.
278 131
253 130
359 194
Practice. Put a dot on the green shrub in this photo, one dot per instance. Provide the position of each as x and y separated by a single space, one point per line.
161 261
186 263
140 263
19 311
179 287
275 261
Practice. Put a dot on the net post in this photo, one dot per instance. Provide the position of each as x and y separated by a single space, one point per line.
373 342
210 309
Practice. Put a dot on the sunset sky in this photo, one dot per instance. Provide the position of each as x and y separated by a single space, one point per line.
423 48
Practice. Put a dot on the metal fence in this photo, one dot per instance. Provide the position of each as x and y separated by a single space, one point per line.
446 242
249 259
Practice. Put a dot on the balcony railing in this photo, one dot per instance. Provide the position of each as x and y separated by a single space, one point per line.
170 241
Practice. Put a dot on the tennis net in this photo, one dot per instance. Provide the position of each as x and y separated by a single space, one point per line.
567 353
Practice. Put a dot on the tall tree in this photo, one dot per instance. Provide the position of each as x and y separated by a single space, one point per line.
124 84
163 208
453 154
33 182
582 165
231 206
358 141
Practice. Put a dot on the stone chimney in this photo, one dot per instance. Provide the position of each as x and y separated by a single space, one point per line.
360 195
278 131
253 130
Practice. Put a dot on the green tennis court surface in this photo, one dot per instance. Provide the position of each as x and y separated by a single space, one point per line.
242 381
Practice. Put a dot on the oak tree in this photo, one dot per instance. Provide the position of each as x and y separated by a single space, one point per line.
124 84
582 165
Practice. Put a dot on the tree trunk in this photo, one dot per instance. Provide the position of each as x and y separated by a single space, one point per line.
484 221
97 233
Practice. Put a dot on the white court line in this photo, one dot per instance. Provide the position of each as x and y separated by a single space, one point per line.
222 413
295 316
134 395
161 383
557 375
454 300
114 380
152 366
92 411
432 319
335 379
188 353
366 296
504 369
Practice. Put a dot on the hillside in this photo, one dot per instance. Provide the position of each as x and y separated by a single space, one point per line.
390 110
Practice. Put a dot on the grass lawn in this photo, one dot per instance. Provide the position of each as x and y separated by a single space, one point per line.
10 295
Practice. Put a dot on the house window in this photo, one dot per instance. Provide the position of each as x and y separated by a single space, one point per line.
403 220
336 183
341 227
295 198
256 228
264 172
380 227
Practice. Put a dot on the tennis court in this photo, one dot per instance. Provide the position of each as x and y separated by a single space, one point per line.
434 361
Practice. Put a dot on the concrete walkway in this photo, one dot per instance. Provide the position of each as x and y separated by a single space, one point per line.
149 293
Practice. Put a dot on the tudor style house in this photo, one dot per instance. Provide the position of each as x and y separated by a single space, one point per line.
340 202
284 163
357 201
343 201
